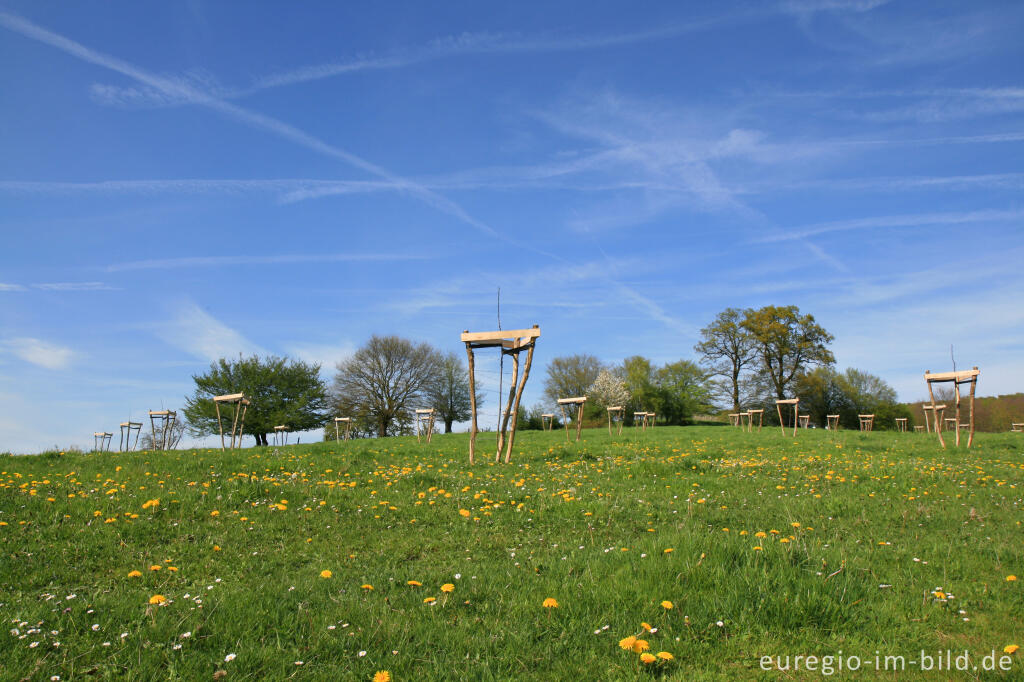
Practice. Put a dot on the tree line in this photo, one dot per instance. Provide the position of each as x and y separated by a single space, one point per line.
745 359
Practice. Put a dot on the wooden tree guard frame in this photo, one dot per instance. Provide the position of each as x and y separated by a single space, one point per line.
750 420
236 399
1017 428
936 417
919 428
125 444
969 376
579 402
347 421
867 422
734 419
832 422
745 416
547 421
620 412
805 421
511 342
425 418
901 424
166 419
101 441
280 435
640 419
950 423
795 402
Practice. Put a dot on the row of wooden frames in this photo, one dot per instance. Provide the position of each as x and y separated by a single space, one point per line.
165 419
616 415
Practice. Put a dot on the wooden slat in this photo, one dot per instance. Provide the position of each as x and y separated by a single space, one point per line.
230 397
426 411
952 376
501 335
159 413
788 401
130 424
574 401
281 427
343 419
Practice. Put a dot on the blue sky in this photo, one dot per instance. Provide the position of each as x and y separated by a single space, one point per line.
183 181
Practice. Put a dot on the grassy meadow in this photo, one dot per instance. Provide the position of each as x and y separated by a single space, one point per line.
339 561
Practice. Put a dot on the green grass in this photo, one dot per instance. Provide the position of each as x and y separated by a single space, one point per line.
586 524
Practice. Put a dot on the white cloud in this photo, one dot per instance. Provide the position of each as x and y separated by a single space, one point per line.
38 352
73 286
11 287
198 333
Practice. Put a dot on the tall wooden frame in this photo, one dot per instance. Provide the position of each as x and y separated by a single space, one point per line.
735 419
805 421
566 404
750 420
166 419
795 402
901 424
1016 428
640 420
950 424
867 422
237 426
347 421
919 428
125 444
101 441
280 435
425 418
930 422
832 422
547 421
969 376
616 411
511 342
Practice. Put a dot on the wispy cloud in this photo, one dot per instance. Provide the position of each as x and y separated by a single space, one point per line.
910 220
286 189
38 352
11 287
280 259
253 119
59 286
198 333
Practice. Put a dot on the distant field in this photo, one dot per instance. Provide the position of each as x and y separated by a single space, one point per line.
763 544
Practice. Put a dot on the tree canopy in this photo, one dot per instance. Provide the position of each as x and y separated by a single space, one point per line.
727 348
384 381
448 393
280 391
787 342
570 376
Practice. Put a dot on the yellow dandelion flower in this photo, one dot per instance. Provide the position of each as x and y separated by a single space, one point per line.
646 626
668 550
429 600
157 599
414 583
665 656
640 645
216 548
382 676
1011 578
666 604
647 659
366 587
550 603
464 513
758 548
215 513
448 587
795 524
1010 649
155 567
325 573
760 534
627 643
134 574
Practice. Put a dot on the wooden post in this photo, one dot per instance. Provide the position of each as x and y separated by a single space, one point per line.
935 413
508 404
832 421
220 424
472 401
970 436
956 392
519 397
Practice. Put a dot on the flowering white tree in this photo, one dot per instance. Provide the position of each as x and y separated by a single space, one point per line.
608 390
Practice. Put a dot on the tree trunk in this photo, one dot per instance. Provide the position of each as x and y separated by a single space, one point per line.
447 425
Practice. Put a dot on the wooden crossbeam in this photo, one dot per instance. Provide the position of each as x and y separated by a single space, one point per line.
500 335
565 403
969 376
620 412
963 376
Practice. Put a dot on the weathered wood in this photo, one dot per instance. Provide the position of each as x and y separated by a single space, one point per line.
229 398
547 421
795 402
750 420
832 422
867 421
508 407
616 410
472 403
501 335
901 424
567 401
519 397
962 376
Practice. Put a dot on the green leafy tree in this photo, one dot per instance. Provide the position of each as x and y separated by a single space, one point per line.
638 374
727 348
384 381
448 394
788 343
280 391
821 393
571 376
681 390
